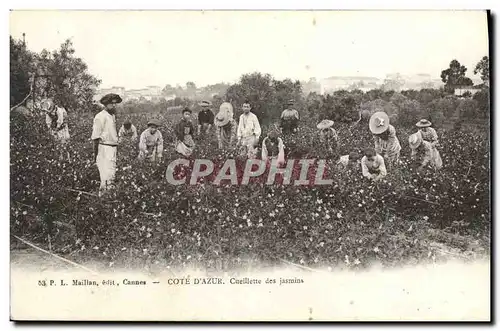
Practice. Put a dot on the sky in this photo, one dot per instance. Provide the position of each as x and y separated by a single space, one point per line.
135 49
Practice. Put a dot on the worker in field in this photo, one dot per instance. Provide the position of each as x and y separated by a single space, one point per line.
327 134
184 133
373 165
225 126
289 118
248 132
423 153
384 136
350 161
56 120
273 147
127 132
151 142
205 117
105 140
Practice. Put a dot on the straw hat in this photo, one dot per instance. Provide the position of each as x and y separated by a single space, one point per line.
324 124
47 104
415 140
423 123
290 102
224 115
154 122
205 103
379 122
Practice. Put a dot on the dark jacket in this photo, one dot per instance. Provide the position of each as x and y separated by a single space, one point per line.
180 129
206 116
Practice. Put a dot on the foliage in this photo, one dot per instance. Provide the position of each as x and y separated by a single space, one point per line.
454 76
352 223
60 75
21 67
483 68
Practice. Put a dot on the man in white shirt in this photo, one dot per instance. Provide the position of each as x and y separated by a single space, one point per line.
105 140
151 142
249 131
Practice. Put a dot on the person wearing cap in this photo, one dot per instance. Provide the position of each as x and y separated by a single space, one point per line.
249 131
385 139
127 132
273 147
225 125
151 142
105 140
423 152
205 117
373 165
350 161
289 119
327 134
56 120
184 132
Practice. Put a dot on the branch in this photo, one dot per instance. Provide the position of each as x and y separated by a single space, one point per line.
299 266
56 256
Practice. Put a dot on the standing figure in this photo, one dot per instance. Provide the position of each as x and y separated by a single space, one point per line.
225 125
151 142
56 120
423 153
249 131
205 117
127 132
384 136
373 165
184 132
273 147
105 140
327 135
289 119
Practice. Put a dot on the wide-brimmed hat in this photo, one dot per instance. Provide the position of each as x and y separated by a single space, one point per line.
224 115
324 124
354 156
127 122
47 104
110 98
379 122
154 122
186 109
415 140
290 102
423 123
205 103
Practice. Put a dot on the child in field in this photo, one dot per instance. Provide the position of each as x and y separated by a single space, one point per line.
350 161
373 165
423 152
127 132
184 132
327 134
273 147
151 142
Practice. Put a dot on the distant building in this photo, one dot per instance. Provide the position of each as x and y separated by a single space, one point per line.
463 90
335 83
150 93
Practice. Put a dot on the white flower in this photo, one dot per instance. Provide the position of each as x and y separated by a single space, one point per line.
339 215
305 227
356 262
376 250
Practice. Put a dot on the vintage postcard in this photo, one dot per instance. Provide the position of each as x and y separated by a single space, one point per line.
251 165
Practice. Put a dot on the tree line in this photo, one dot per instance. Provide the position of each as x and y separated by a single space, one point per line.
65 77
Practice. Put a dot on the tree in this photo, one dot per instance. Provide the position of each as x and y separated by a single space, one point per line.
21 67
483 68
168 90
483 101
65 78
454 77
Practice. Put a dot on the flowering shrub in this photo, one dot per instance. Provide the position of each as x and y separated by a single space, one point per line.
352 223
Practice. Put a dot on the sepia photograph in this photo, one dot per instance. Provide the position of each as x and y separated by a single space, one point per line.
246 165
